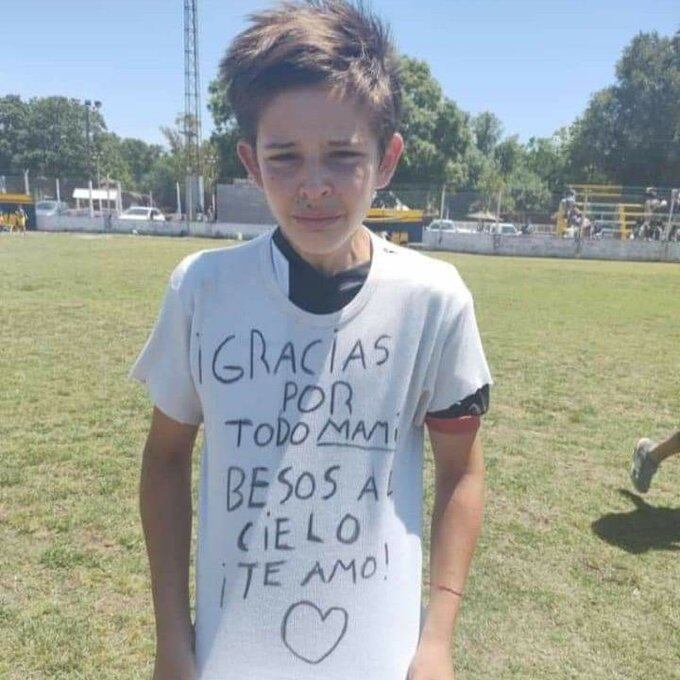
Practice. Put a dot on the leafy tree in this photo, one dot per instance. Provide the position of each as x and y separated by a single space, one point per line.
108 160
161 180
526 192
52 140
487 129
630 132
491 183
170 167
139 157
509 154
436 131
13 130
547 158
226 133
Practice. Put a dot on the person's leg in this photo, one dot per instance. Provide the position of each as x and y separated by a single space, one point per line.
666 448
643 466
646 458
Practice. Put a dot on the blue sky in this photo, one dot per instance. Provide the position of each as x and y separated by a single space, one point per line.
533 63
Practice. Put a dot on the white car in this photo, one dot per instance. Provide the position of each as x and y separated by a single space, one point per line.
137 212
51 208
504 229
442 225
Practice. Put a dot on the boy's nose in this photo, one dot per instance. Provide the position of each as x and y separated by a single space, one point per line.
314 188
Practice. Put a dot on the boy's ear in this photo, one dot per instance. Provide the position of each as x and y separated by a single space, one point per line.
390 160
248 157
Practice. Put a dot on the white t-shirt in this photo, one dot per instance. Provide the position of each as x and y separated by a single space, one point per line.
310 515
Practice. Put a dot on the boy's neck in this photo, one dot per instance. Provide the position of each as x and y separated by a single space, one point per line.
355 251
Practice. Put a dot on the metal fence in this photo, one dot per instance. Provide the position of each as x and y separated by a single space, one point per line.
77 194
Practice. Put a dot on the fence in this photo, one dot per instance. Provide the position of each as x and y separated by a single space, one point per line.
74 192
545 246
602 211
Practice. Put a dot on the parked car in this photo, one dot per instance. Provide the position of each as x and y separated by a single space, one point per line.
138 212
504 229
445 225
441 225
51 208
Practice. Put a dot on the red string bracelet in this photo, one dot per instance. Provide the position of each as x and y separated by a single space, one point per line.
451 590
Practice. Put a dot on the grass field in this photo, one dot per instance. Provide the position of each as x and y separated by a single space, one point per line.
574 576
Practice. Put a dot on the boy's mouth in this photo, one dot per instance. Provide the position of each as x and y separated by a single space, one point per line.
316 220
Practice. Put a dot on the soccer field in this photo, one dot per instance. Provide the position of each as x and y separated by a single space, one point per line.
575 575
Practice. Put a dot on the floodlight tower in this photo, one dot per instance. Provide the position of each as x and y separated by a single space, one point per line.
192 112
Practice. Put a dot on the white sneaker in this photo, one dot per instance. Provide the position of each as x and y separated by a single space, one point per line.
643 466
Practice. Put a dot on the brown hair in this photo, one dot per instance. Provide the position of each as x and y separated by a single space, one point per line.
310 42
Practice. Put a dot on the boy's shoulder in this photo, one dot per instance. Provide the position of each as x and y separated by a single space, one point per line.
428 277
207 265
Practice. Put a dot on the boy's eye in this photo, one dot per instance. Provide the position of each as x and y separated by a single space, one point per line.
284 157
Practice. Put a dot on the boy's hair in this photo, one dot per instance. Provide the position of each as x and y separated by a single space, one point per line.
311 42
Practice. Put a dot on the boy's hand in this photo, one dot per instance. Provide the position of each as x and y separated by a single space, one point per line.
432 661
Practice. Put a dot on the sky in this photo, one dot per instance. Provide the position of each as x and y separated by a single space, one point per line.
534 63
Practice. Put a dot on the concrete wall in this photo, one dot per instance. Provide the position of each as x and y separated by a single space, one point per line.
202 229
472 226
483 244
550 246
242 203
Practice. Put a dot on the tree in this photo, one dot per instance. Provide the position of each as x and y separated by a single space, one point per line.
226 133
52 141
436 132
109 161
546 157
139 157
170 166
491 183
162 180
13 130
509 154
630 131
526 193
487 129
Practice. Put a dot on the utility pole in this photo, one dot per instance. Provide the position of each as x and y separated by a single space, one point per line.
90 106
675 195
192 112
87 138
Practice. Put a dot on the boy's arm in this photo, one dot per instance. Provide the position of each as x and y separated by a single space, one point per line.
456 524
165 507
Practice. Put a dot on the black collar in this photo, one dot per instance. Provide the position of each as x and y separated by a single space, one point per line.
315 291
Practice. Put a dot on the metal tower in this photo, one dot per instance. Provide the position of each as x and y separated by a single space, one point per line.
192 112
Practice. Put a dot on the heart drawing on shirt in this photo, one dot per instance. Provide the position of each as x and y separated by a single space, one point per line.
309 633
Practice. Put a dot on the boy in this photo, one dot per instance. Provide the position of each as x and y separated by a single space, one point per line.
313 355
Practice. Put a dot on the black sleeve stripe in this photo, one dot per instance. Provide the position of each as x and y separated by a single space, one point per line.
476 404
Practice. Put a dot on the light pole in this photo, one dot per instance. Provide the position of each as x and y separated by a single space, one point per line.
89 106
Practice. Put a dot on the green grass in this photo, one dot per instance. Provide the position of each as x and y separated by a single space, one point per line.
574 576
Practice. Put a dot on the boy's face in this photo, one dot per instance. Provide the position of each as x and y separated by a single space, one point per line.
317 160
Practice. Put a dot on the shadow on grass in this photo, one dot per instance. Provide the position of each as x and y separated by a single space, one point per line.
645 528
